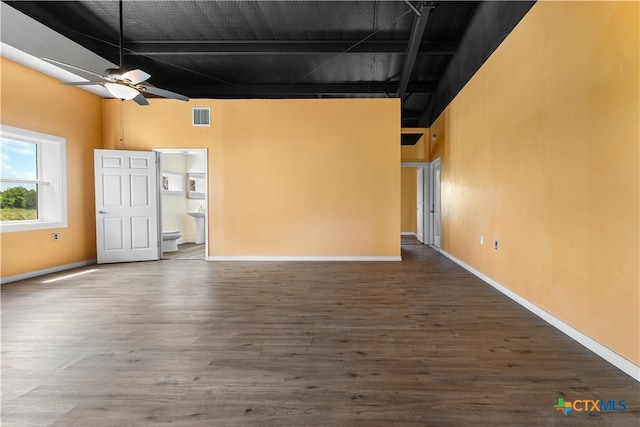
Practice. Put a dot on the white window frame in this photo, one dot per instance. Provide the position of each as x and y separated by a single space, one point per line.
52 177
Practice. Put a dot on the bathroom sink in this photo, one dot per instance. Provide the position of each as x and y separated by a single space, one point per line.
199 218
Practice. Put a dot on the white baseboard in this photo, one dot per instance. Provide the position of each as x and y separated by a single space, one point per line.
615 359
304 258
56 269
408 233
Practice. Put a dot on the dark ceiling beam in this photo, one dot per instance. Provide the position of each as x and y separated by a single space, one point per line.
412 114
491 23
300 90
417 32
191 48
412 7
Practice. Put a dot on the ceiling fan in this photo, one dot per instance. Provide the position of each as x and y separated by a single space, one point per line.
120 83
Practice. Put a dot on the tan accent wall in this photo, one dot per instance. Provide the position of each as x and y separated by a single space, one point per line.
540 152
418 152
34 101
409 200
286 177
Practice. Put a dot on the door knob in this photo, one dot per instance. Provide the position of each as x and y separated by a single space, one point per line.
101 212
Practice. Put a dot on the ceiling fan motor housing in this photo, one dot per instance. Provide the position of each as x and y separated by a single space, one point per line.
114 73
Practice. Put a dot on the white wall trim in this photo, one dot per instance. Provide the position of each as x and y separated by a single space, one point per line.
56 269
615 359
408 233
304 258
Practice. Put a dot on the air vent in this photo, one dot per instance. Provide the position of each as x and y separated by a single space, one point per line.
201 116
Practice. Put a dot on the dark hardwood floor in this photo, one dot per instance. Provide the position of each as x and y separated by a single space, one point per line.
194 343
409 240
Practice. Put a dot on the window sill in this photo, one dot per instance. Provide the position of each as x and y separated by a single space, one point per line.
7 227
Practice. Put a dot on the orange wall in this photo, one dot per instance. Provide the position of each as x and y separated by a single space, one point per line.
34 101
409 199
418 152
540 151
286 177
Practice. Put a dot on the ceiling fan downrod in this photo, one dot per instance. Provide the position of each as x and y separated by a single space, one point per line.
122 83
120 38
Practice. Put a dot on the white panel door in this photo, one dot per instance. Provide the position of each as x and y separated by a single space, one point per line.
127 206
420 205
436 203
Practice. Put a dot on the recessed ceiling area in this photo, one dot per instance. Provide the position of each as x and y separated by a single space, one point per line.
410 138
290 49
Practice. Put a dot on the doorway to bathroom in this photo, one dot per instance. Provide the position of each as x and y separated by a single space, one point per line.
184 203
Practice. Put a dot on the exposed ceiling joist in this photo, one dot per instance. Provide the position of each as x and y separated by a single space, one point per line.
301 90
417 32
281 47
266 49
415 9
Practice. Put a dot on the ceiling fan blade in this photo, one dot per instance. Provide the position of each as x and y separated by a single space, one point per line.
53 61
163 93
135 76
83 83
141 100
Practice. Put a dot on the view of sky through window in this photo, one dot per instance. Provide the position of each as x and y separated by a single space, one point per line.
18 160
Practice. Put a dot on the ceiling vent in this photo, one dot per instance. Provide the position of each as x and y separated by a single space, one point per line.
201 116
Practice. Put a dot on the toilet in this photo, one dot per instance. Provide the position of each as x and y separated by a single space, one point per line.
170 240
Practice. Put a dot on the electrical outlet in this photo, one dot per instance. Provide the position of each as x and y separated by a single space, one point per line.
55 236
495 245
481 240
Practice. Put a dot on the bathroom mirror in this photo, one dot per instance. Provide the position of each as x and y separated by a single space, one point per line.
172 182
196 186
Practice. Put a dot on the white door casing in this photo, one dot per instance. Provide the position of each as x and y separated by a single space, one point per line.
127 206
420 204
436 202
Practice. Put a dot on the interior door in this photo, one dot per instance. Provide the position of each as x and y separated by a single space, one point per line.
436 203
127 206
420 205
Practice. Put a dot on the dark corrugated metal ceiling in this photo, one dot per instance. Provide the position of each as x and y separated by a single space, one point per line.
274 49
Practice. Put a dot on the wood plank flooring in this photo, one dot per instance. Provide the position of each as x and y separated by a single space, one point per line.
193 343
187 251
409 240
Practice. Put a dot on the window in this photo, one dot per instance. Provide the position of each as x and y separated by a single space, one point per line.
32 180
19 188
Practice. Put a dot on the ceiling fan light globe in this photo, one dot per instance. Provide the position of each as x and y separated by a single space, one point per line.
121 91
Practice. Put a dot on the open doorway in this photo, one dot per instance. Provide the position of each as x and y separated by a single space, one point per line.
184 203
414 192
